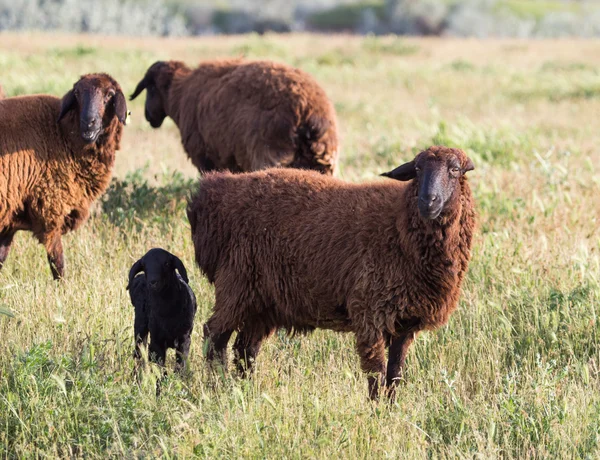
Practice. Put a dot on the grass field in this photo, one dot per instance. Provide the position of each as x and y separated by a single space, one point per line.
515 373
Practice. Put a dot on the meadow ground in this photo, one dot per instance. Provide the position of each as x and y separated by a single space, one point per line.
514 374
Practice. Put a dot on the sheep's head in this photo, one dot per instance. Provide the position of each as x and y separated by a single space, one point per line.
157 82
438 171
97 99
159 268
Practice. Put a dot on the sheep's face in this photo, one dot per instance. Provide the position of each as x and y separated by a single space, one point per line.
154 110
438 171
157 82
159 268
97 99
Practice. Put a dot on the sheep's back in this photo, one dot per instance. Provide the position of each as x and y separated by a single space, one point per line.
29 132
293 235
254 114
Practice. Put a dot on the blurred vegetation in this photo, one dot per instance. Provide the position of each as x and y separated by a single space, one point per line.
523 18
132 202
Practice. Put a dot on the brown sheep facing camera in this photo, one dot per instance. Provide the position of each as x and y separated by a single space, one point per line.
56 158
244 116
299 250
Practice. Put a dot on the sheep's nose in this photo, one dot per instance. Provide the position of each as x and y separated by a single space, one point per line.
429 200
89 122
153 284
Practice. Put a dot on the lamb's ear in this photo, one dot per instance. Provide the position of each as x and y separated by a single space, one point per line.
142 85
181 269
469 166
404 172
120 106
135 269
68 103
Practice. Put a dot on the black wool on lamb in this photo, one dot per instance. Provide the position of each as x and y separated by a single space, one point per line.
165 306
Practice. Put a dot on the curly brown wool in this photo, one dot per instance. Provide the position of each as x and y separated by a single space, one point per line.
56 158
299 250
244 115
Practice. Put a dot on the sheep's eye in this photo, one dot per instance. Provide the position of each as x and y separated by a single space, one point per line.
417 169
109 95
455 170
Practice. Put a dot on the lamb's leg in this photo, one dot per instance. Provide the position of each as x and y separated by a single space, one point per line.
247 345
53 244
216 340
140 329
158 354
372 360
6 239
396 359
182 350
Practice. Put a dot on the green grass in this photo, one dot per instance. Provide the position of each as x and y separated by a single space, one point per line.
514 374
537 9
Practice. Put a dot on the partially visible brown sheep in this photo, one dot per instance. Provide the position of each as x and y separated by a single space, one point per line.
298 250
244 116
56 158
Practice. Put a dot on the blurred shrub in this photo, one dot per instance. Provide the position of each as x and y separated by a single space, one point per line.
111 17
347 17
132 202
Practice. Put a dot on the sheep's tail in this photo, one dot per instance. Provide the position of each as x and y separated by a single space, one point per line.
317 146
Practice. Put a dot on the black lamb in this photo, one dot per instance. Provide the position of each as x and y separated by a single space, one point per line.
165 306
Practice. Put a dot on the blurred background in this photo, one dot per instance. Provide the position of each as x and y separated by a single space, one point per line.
463 18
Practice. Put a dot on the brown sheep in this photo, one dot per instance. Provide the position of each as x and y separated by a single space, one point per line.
56 158
244 116
298 250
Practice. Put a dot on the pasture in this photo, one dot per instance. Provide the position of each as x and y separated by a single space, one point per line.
514 374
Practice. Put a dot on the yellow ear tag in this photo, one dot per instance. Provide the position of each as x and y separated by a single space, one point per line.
128 118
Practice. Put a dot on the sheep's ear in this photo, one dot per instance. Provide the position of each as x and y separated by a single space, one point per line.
142 85
181 269
469 166
68 103
405 172
135 269
120 106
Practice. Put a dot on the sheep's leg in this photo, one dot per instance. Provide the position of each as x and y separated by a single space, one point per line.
246 347
56 259
182 350
157 353
396 360
372 361
216 342
140 329
6 239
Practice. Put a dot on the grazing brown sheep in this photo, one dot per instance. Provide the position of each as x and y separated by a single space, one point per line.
56 158
244 116
298 250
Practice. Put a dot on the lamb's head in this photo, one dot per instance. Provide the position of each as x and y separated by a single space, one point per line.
159 268
98 99
438 172
157 82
